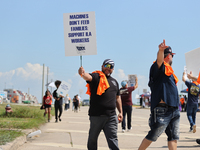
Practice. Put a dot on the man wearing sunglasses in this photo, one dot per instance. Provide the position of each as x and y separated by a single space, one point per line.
165 115
104 98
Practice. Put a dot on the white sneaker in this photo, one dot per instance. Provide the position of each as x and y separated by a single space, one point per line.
194 128
123 130
190 130
129 129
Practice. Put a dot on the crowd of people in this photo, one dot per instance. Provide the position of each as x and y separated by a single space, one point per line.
106 96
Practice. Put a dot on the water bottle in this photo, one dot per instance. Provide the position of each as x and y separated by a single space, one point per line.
34 133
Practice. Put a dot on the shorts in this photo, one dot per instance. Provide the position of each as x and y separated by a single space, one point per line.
164 119
47 106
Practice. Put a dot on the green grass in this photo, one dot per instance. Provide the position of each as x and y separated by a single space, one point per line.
22 117
8 136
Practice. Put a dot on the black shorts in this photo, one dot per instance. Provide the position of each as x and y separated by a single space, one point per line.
47 106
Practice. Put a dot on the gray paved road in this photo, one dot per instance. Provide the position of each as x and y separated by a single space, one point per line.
56 136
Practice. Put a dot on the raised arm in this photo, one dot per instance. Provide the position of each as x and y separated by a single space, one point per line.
183 78
136 83
190 76
160 55
86 76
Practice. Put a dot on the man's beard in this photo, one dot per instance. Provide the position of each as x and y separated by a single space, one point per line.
106 74
170 63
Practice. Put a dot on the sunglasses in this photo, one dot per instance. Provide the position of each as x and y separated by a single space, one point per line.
108 66
172 55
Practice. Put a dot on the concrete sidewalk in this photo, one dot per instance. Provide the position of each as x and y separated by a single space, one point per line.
72 133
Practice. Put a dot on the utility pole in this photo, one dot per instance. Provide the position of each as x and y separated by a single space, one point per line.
47 76
43 82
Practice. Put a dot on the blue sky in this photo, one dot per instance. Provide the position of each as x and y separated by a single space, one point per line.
128 32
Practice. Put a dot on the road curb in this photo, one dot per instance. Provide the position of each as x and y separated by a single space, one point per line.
19 141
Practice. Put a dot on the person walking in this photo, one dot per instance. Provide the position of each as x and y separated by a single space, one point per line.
126 97
75 103
192 103
182 101
104 98
47 101
58 102
197 79
165 115
66 99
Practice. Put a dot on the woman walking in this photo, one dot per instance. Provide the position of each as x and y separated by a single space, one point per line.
47 100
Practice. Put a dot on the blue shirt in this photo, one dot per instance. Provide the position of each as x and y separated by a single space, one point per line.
162 87
193 92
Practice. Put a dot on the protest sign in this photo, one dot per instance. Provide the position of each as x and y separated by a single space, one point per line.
131 80
63 88
193 61
80 34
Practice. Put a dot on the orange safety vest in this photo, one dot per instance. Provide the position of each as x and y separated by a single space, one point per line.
103 84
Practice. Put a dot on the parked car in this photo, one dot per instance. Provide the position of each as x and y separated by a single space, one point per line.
86 102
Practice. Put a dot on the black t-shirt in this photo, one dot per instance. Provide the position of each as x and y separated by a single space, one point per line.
57 102
193 92
104 104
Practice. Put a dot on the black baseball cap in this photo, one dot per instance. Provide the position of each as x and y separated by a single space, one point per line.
168 50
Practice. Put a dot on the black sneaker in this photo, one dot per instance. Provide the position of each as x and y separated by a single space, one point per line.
59 119
48 120
56 120
198 141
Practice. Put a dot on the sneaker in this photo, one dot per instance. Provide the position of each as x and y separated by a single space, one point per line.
59 119
123 130
198 141
48 120
190 130
130 129
56 120
194 128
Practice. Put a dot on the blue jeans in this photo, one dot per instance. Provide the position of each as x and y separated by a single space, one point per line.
164 119
191 114
109 126
126 110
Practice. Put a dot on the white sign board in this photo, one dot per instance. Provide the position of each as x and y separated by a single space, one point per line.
193 61
63 88
131 80
80 34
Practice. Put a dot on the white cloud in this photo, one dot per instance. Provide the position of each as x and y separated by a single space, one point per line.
30 71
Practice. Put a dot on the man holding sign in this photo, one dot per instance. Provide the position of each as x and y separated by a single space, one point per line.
104 98
58 102
165 115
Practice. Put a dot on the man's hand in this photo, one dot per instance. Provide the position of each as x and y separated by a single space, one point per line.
84 75
183 78
120 117
162 46
189 75
160 55
81 71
